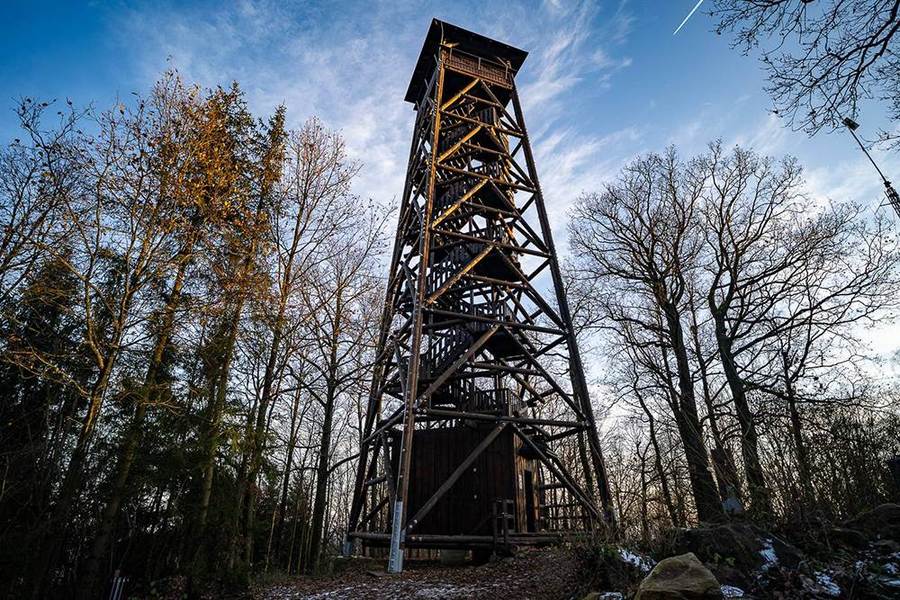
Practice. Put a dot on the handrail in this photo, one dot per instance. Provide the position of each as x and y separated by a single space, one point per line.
477 66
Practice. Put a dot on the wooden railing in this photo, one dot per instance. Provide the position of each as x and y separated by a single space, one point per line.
477 67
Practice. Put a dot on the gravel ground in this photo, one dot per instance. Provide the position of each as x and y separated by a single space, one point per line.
548 574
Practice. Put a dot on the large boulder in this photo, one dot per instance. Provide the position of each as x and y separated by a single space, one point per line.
848 538
736 547
880 523
680 577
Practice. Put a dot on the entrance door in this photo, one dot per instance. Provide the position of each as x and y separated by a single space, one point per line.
529 500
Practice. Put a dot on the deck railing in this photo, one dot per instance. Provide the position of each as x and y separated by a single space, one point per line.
476 66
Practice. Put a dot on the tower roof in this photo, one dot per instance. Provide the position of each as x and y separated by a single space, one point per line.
465 40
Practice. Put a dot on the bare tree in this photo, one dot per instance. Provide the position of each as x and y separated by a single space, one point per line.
344 287
314 208
638 239
823 58
778 270
36 176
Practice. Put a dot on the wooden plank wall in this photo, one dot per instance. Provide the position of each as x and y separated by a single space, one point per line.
467 507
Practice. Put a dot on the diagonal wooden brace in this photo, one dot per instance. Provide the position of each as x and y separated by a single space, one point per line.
460 94
459 144
458 275
565 480
475 347
458 203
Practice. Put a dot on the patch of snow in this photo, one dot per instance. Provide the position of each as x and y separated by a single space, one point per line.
828 584
891 569
642 563
894 583
770 559
446 590
729 591
610 596
346 592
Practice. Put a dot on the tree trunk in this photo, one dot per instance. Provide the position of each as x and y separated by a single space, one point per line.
702 484
288 463
657 464
761 503
237 542
256 435
128 448
645 525
318 517
71 484
723 463
215 413
803 470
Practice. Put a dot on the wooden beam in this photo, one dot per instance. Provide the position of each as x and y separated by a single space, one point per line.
374 511
458 203
458 144
458 275
385 425
460 94
469 416
547 376
388 470
472 238
576 491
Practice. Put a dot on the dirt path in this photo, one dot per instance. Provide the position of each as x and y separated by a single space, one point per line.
538 575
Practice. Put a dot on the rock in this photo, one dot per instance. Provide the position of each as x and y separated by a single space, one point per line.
728 575
680 577
881 522
736 547
849 538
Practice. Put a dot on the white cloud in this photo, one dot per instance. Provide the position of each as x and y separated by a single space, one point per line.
350 67
570 164
768 139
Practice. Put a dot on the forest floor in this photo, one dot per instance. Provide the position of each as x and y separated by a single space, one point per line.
813 560
539 574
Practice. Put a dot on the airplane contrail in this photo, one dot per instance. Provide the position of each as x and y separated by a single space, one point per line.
690 14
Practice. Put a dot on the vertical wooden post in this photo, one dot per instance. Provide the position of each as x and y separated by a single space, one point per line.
398 519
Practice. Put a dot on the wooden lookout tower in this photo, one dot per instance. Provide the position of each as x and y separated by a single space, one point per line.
472 438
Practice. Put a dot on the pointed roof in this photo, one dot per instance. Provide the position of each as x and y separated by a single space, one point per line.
465 40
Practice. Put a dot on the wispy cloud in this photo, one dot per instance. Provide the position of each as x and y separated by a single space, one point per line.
575 49
769 138
571 164
350 67
344 72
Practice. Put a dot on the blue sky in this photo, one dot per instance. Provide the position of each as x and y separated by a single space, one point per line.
604 81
